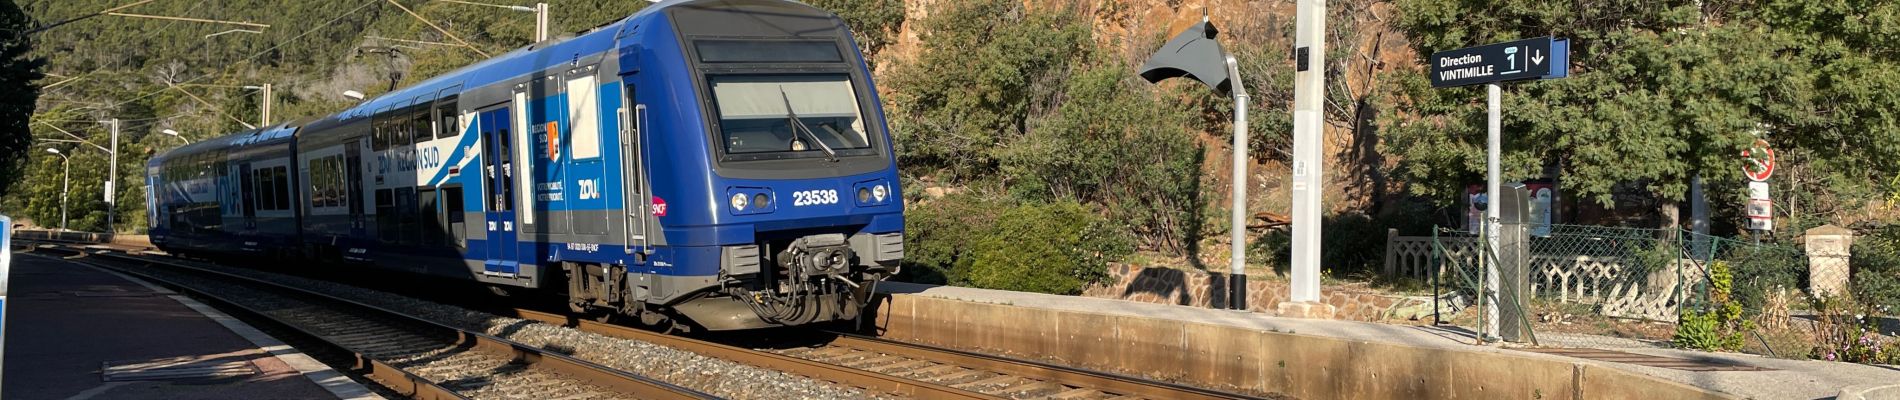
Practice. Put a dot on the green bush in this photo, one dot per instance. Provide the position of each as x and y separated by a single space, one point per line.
937 232
1056 248
1876 267
1717 325
1112 144
1760 270
987 68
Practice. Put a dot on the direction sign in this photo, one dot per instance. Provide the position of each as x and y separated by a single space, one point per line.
1761 161
1538 58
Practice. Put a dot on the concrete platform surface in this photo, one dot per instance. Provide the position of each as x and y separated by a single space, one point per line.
1787 379
69 325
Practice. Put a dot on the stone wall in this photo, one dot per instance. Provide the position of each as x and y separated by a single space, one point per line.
1209 290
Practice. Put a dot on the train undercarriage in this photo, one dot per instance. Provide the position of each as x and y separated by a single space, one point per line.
795 281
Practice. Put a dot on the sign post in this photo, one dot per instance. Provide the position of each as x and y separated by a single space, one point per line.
1759 166
6 270
1490 65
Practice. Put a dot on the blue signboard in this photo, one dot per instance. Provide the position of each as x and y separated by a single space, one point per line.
1537 58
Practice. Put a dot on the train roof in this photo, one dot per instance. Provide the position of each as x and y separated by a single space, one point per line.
527 59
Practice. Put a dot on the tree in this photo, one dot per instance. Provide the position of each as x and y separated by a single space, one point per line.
18 93
1660 92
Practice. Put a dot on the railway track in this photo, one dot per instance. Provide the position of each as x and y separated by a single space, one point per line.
412 356
897 368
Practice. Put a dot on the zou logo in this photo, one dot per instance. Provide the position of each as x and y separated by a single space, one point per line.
590 189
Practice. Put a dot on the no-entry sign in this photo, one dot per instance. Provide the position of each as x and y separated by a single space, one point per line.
1760 161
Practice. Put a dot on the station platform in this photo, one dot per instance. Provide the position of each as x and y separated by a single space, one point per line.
1370 349
78 332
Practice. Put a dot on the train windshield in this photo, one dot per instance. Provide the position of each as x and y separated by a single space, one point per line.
789 116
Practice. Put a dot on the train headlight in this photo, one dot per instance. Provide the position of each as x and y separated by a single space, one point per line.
761 201
864 195
738 201
879 193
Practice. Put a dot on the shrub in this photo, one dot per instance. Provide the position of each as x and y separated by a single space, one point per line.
1718 325
1843 332
938 232
1111 144
1761 270
1876 269
1057 248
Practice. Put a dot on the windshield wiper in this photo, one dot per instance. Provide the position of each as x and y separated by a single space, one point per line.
798 125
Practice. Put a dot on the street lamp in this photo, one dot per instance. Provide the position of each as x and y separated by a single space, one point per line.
66 183
176 135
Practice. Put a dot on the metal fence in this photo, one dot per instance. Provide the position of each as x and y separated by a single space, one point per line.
1580 277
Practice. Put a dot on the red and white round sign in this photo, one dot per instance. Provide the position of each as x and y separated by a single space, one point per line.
1760 161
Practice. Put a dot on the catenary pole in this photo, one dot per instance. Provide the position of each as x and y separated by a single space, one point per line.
112 176
1309 86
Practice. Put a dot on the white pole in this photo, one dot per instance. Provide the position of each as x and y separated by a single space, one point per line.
1309 87
540 22
1237 280
1494 144
65 186
112 179
267 103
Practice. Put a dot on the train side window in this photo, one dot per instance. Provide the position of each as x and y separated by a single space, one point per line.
283 187
431 203
266 197
452 205
448 121
583 110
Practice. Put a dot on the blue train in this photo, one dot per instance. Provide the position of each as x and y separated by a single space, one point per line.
720 162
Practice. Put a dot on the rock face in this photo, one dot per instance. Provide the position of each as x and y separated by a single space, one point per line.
1205 289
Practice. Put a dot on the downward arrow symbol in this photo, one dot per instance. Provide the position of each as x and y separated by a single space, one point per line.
1538 57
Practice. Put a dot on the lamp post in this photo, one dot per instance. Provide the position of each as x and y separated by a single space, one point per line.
176 135
66 183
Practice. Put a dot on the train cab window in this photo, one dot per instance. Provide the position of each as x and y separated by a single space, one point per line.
756 116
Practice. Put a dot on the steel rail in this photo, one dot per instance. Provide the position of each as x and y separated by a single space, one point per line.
411 384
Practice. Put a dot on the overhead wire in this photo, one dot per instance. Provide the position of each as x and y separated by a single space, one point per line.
227 69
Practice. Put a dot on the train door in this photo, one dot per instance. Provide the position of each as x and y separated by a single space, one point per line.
353 160
634 197
498 169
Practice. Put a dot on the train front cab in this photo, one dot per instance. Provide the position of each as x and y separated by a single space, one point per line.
771 195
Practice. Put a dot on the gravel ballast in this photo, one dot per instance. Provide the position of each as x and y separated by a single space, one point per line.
711 375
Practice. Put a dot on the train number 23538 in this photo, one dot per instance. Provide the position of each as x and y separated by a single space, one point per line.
812 197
